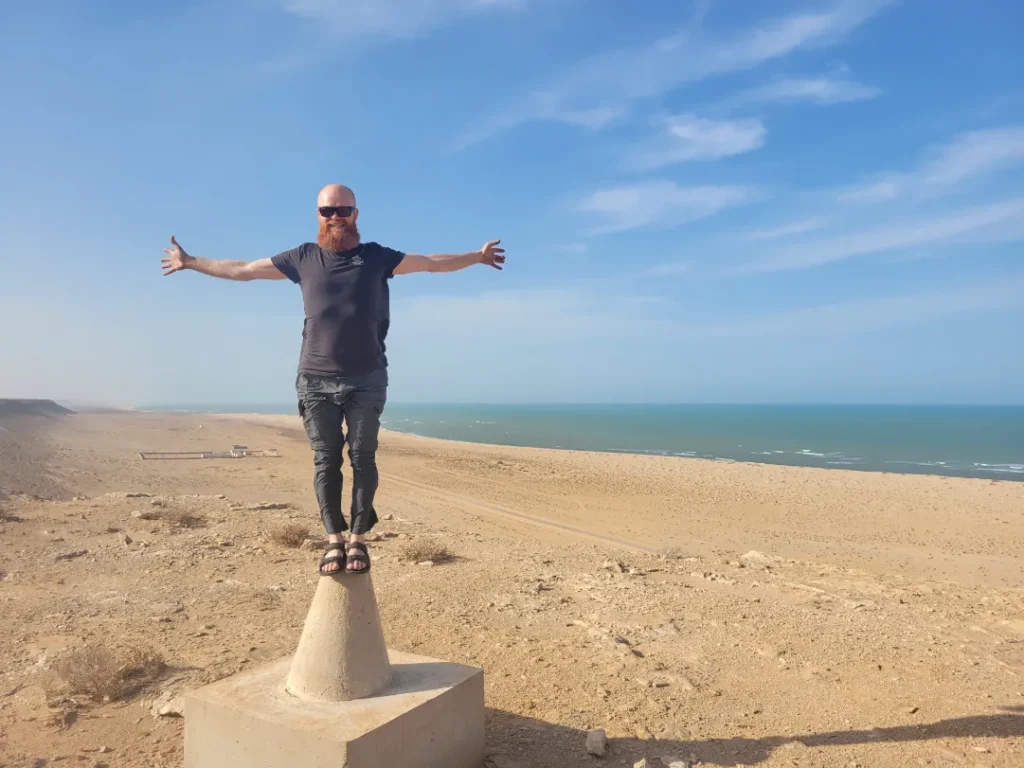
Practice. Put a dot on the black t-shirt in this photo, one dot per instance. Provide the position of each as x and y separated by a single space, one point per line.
345 295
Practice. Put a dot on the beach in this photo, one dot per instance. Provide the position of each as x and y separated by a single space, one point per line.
721 613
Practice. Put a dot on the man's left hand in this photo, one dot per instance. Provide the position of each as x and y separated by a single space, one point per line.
492 255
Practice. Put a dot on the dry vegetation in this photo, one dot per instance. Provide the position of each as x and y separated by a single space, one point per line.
290 535
425 550
104 675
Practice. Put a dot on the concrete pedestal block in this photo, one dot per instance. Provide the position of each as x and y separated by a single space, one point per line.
430 715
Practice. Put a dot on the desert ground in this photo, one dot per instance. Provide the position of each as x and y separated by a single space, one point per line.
700 613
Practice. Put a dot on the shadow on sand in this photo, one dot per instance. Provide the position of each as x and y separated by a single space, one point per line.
522 742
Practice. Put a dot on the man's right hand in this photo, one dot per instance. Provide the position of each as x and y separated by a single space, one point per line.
176 259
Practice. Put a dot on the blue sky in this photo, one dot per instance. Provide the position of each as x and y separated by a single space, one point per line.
799 201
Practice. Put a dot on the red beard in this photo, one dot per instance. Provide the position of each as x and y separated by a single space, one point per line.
338 235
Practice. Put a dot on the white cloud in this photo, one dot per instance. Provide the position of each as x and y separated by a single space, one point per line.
389 18
669 269
571 249
813 90
969 156
612 81
1002 220
688 137
660 204
871 192
974 154
878 313
788 230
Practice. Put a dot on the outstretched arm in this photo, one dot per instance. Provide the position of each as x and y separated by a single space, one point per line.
177 259
490 254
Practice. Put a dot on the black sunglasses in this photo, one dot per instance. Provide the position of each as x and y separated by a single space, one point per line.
341 211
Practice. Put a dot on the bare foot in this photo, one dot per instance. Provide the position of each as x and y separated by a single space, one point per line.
334 566
357 560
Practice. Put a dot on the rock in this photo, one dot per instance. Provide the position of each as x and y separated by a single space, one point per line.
913 710
125 539
70 555
757 559
277 588
388 516
220 497
137 495
641 763
227 543
267 505
103 750
168 705
158 503
428 563
402 536
670 761
597 742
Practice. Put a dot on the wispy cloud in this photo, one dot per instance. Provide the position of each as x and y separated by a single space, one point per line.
878 313
669 269
793 90
389 18
660 204
790 229
969 156
688 137
1002 220
572 249
609 83
871 192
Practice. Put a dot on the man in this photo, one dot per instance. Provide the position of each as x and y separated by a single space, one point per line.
342 373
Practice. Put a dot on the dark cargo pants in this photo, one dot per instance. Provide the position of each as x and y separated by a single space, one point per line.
325 402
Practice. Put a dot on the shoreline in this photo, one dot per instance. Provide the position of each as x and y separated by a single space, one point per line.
294 422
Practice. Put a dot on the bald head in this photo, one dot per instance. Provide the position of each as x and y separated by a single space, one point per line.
335 195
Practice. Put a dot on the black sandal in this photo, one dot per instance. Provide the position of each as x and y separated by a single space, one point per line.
339 559
361 556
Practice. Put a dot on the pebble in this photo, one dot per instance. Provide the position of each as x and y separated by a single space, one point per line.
168 705
71 555
388 516
675 762
428 563
641 763
125 539
597 742
277 588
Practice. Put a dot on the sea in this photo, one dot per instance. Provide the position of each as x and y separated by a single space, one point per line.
955 441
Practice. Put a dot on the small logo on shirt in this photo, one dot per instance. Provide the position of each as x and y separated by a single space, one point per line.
357 261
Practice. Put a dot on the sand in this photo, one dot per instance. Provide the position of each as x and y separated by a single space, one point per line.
723 614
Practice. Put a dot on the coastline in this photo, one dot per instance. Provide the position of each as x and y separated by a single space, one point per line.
294 421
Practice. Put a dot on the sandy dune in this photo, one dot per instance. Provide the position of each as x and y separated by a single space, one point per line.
724 614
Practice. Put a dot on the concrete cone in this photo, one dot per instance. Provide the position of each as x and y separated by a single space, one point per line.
341 655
